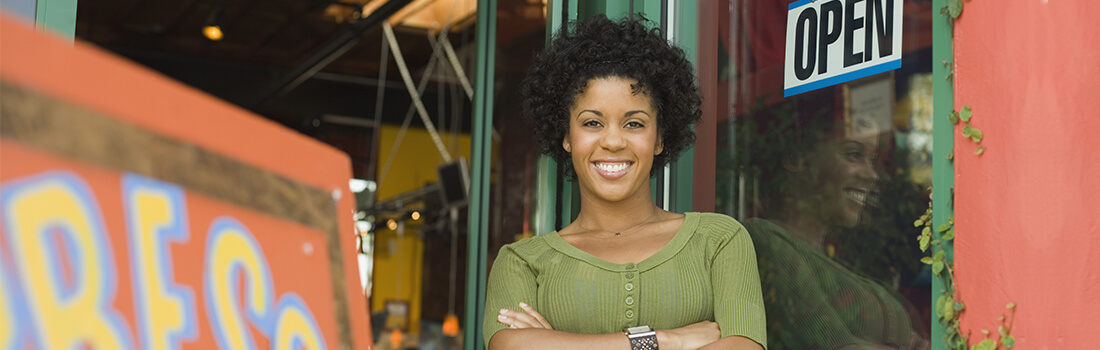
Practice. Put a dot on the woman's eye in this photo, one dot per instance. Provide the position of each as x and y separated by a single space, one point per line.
635 125
591 124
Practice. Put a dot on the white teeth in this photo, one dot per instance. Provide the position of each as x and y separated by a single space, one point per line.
858 196
612 167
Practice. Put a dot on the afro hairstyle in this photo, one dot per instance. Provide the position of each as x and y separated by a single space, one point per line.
596 48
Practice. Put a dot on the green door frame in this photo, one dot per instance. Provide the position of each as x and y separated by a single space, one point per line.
943 144
481 156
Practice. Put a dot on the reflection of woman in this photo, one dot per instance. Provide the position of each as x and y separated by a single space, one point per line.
824 181
612 102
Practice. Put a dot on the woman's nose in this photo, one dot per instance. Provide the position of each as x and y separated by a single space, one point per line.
612 139
867 169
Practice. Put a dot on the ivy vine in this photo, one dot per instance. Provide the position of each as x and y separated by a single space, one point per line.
948 307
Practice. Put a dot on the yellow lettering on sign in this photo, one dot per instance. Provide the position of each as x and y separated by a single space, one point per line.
231 250
63 260
156 216
295 327
7 314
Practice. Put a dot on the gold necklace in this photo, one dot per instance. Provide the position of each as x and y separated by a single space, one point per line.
619 233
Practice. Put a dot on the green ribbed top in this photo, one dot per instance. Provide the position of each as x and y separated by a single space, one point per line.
706 272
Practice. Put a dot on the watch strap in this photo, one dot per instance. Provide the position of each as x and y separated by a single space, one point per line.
642 338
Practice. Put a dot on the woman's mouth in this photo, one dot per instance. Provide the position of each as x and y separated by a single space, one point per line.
860 197
612 170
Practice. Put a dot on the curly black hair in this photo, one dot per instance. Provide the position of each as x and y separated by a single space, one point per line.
598 47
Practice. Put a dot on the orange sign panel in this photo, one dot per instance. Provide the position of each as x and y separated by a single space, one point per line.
125 226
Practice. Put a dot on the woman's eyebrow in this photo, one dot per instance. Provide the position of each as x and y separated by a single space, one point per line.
591 111
630 113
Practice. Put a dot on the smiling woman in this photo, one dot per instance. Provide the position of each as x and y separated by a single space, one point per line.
613 101
819 178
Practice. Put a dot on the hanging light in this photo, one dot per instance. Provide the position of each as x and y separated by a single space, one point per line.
212 29
450 325
396 338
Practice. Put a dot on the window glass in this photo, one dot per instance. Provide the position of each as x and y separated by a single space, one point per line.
828 183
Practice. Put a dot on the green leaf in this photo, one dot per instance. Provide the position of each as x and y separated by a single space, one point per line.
938 256
987 344
918 223
959 306
948 311
966 114
1008 341
966 130
937 267
924 240
943 228
939 305
979 150
949 235
927 231
975 134
954 8
927 260
953 117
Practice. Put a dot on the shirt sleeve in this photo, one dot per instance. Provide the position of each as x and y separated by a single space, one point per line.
738 304
511 281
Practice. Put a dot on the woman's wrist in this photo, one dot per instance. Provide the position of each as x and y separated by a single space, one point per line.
666 339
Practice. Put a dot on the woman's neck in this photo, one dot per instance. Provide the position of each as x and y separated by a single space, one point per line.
596 215
805 228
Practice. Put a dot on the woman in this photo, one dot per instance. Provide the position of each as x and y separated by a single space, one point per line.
820 175
613 102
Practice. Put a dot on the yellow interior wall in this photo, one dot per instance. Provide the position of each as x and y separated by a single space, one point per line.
416 159
398 261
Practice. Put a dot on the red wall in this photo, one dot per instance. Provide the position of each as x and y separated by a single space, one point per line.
1028 210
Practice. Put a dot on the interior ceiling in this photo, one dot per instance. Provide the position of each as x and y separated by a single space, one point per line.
265 40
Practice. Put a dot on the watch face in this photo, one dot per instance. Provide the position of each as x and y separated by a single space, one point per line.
638 329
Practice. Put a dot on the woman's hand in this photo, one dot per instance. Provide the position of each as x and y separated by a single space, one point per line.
689 337
529 318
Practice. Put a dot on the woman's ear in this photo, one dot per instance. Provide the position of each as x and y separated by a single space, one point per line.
660 146
568 146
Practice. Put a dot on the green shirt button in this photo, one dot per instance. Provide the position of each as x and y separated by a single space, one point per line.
630 266
629 286
629 275
629 313
630 300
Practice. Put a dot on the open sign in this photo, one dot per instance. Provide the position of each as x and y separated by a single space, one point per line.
834 41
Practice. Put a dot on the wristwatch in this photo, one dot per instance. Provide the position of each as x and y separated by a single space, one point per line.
642 338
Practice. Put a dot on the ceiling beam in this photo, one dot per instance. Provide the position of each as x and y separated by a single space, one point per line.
328 52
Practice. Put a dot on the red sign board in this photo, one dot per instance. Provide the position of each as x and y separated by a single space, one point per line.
121 229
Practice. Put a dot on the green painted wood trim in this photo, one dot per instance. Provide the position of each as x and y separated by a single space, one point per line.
943 142
481 154
685 32
546 196
59 16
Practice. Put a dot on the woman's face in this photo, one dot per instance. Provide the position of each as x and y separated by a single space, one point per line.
612 139
846 178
